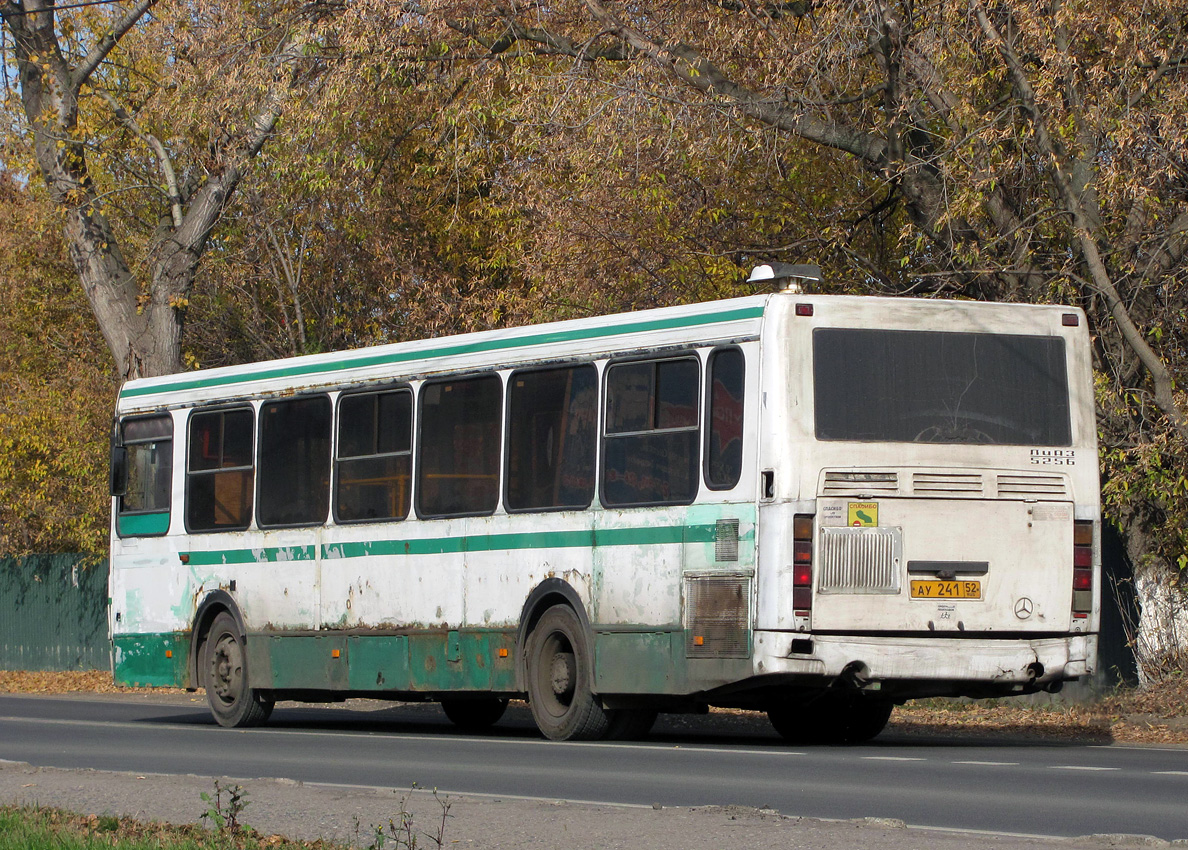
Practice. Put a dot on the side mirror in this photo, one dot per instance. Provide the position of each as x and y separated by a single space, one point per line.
119 470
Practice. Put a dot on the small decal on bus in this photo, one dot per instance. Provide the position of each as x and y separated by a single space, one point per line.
1054 457
863 514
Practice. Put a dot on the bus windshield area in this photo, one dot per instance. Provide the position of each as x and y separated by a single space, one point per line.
940 387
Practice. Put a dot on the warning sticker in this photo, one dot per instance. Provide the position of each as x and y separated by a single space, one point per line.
863 514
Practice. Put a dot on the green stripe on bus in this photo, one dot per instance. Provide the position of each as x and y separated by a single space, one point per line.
364 361
251 556
647 536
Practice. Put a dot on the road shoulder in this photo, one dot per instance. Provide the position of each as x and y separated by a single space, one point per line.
351 815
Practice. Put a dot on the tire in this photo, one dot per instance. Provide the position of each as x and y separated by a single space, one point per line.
798 723
630 724
862 719
474 715
559 674
232 701
831 718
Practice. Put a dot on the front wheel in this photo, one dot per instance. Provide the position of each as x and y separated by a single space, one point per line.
224 675
559 674
474 715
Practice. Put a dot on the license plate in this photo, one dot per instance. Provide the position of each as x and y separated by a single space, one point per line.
946 589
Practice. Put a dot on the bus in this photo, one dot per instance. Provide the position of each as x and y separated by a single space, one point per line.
814 506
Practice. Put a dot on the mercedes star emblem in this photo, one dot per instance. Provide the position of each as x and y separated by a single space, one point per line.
1024 607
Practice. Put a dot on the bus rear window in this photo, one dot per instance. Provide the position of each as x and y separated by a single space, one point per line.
940 387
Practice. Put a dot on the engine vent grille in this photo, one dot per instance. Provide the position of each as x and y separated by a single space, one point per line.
845 483
1022 486
947 484
717 616
859 560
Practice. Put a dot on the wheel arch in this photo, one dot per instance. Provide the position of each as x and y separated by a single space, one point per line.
214 603
550 592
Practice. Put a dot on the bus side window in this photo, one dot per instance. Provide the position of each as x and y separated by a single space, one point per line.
294 462
651 433
144 504
374 463
219 470
724 421
551 438
458 449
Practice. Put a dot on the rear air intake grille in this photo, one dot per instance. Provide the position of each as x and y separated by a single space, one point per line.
859 483
859 560
726 540
952 484
717 616
1022 486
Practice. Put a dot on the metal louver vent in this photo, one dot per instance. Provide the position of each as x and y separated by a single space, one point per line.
1023 486
841 483
860 560
947 484
717 616
726 540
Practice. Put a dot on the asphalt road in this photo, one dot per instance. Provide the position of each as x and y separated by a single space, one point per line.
1015 787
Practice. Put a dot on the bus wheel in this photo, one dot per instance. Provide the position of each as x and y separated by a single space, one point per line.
224 675
831 719
797 723
630 724
559 694
474 715
860 718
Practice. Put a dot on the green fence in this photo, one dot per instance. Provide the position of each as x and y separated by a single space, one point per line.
53 613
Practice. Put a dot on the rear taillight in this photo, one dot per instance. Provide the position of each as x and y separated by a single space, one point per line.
802 565
1082 603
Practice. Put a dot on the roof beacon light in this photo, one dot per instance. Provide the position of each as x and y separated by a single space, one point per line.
797 275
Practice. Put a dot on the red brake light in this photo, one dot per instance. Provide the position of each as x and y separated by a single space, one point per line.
1082 578
802 575
802 565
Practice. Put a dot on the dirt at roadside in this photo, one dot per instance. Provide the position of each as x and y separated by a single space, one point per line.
352 816
1157 714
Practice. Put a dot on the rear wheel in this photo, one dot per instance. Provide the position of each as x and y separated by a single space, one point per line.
474 715
862 718
224 675
831 718
559 663
630 724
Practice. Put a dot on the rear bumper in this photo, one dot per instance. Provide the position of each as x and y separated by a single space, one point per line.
965 663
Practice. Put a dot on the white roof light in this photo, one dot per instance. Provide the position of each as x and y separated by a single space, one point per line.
794 273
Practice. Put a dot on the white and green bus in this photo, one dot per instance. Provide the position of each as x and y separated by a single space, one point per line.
814 506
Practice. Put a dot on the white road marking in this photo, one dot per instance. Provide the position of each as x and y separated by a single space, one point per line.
891 758
1081 767
991 763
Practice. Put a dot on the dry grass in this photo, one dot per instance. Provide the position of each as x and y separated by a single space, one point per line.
92 681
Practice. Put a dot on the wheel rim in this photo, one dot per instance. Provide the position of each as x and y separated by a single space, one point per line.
558 674
226 669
